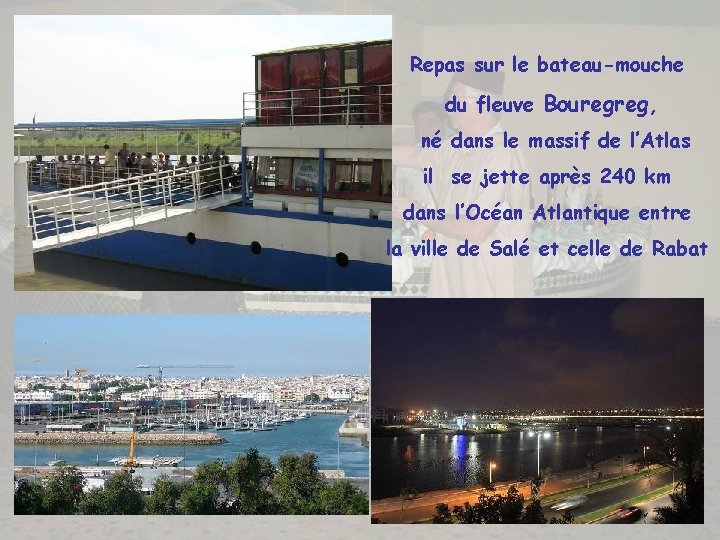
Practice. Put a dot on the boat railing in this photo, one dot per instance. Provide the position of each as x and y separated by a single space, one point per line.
64 174
109 201
342 105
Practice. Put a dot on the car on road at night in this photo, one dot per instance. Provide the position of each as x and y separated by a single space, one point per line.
570 503
629 514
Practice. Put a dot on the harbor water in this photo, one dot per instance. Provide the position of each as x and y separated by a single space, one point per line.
427 462
317 434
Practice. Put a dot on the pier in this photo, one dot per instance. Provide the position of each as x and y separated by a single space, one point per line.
119 438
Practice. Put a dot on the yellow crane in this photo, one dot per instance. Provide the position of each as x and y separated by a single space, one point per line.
131 462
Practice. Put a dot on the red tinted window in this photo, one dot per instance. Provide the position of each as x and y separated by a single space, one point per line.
305 70
332 68
273 73
377 64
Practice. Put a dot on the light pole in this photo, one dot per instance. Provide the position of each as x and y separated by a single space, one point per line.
547 436
645 448
492 466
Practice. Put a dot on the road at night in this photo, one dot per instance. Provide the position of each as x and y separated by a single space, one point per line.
422 508
616 495
647 508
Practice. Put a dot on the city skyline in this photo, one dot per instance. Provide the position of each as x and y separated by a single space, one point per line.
537 354
266 345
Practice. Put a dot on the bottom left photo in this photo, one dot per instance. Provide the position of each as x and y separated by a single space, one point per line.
178 414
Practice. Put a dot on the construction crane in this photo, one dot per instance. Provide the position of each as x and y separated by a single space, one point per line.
131 462
160 368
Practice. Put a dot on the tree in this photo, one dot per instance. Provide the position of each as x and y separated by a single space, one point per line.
121 495
29 498
681 447
566 519
497 508
687 504
297 483
536 484
212 473
94 503
63 490
164 498
533 513
342 498
249 477
442 516
312 397
198 498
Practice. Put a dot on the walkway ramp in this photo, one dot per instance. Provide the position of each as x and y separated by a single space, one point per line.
67 216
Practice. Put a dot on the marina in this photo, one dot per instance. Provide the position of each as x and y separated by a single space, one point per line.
318 434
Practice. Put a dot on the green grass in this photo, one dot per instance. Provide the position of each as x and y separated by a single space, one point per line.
186 141
604 512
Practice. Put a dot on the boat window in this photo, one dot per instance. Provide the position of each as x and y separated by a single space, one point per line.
355 175
273 173
306 172
351 66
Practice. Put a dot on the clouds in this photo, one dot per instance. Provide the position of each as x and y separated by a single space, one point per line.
538 353
657 322
517 318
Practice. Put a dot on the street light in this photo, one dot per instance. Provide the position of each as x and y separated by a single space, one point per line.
492 466
547 436
645 448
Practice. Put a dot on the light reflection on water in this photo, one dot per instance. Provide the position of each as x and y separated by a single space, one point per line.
441 461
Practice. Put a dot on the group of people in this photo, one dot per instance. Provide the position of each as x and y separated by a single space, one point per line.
72 171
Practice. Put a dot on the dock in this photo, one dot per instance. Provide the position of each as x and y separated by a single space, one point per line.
119 438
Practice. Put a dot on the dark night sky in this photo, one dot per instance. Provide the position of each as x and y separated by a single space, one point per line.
475 354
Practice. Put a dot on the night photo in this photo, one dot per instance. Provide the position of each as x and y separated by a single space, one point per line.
537 411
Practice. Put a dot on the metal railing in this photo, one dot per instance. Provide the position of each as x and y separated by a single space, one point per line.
343 105
129 199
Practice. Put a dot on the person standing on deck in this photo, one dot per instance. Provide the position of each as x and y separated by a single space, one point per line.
109 163
123 155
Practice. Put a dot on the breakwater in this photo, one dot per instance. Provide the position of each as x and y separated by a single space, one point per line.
120 439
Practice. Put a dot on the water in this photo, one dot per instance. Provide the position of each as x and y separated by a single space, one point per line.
427 462
56 270
317 434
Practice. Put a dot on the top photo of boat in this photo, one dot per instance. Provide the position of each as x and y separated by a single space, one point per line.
237 153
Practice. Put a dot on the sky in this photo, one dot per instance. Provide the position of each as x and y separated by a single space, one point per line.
163 67
272 345
474 354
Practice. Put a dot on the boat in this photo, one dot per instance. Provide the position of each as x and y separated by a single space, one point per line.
149 461
316 112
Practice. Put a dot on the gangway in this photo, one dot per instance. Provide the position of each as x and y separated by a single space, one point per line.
75 214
